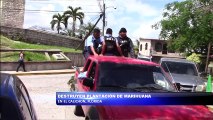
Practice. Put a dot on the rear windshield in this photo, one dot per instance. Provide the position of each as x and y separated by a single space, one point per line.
179 68
130 75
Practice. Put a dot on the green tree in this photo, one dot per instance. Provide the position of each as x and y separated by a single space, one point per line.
187 25
86 28
67 32
194 58
75 14
57 19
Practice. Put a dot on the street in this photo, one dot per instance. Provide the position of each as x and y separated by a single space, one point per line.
42 89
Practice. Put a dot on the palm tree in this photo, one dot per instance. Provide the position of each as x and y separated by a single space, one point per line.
86 28
74 14
57 19
67 32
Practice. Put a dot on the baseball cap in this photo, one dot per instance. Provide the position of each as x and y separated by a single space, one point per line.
109 31
122 30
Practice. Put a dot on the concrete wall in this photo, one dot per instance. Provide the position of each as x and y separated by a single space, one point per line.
33 66
76 58
39 37
12 13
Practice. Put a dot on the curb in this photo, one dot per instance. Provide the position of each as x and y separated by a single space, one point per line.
46 72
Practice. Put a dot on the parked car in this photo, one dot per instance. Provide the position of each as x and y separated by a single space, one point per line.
184 72
146 58
117 74
15 101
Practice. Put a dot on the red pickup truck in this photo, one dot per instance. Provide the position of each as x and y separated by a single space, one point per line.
119 74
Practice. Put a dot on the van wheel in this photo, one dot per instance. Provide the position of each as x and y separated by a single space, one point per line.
78 111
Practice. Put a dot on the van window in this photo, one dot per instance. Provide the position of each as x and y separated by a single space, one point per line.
179 68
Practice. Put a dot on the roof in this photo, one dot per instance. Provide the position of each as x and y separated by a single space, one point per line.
152 39
123 60
176 60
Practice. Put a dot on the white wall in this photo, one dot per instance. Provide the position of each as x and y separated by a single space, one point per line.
143 51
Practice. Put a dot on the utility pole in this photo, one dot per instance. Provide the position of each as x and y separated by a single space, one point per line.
90 31
207 59
1 9
104 8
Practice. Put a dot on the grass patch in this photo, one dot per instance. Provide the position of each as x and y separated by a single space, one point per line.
32 56
28 56
8 43
9 56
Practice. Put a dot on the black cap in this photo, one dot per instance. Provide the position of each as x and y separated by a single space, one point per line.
96 30
122 30
109 31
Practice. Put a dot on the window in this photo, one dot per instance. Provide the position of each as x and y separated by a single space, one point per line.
158 47
160 80
131 76
146 46
141 47
180 68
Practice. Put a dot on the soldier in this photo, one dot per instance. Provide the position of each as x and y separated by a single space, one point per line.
110 45
125 43
92 44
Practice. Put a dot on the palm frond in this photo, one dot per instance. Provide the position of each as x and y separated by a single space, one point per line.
53 22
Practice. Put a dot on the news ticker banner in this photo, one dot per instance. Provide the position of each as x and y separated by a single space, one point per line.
102 98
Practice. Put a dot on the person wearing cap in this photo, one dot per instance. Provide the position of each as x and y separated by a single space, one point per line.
110 45
92 43
125 43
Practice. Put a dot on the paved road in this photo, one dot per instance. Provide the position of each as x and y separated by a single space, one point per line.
42 89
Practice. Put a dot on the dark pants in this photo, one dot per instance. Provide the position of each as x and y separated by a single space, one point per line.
126 54
86 54
21 63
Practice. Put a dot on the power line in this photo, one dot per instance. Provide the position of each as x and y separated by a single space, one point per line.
57 3
9 9
92 19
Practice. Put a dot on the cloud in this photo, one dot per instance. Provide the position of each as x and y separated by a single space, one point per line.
145 29
40 17
136 15
143 9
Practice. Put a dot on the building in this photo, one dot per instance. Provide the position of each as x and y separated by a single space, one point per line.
12 13
156 49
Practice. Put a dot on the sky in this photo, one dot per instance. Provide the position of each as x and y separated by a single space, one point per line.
137 16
